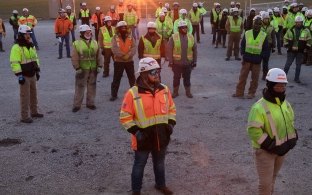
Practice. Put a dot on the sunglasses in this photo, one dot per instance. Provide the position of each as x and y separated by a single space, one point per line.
154 72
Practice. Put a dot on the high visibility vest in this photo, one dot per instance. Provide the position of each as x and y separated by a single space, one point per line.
268 30
194 17
280 20
107 39
85 13
124 46
71 17
254 46
87 54
177 47
22 55
235 27
1 29
130 18
290 35
216 15
30 21
164 28
273 120
149 50
15 20
202 10
120 9
307 23
158 10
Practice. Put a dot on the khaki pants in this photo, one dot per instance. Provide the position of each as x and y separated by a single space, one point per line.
234 39
28 97
86 78
268 165
255 72
108 54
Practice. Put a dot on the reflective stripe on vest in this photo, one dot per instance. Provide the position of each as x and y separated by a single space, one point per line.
87 54
129 17
107 39
29 20
85 14
216 15
195 18
124 46
149 50
177 47
254 46
268 30
235 27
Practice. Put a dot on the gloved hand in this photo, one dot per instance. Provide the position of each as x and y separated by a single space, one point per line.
194 64
21 79
37 76
78 71
99 69
170 129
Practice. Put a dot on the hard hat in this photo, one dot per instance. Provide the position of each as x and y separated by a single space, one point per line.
270 11
175 3
265 15
257 17
231 10
162 14
68 7
25 10
309 12
304 9
147 64
276 75
232 3
164 10
97 8
167 5
24 29
261 12
225 10
200 4
235 9
182 23
237 3
286 1
285 7
294 5
84 4
298 19
301 4
61 10
276 9
14 12
195 5
107 18
151 25
253 9
84 27
217 5
121 23
183 11
112 7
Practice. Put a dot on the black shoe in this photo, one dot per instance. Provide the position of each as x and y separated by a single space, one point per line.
68 56
297 81
227 59
59 57
113 99
136 193
37 48
198 41
203 33
91 107
75 109
37 115
238 59
28 120
164 190
2 50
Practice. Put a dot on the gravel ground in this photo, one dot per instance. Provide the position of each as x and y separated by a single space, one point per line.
89 152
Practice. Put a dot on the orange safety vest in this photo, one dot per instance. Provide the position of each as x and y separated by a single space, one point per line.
124 46
94 20
30 21
114 16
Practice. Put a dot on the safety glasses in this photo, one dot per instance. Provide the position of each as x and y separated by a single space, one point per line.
154 72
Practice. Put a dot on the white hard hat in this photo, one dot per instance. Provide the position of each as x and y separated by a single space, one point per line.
225 10
301 4
252 9
276 75
304 9
61 10
147 64
276 9
195 5
237 3
24 29
121 23
285 7
164 10
257 17
14 12
84 4
25 10
235 9
98 8
200 4
183 11
298 19
68 7
151 25
231 10
261 12
112 7
217 4
232 3
167 5
84 27
309 12
265 15
182 23
286 1
294 5
107 18
175 3
270 11
162 14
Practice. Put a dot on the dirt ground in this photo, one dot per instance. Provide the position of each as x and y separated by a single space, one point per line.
89 152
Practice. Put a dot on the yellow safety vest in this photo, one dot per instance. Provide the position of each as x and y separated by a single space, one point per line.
164 28
130 18
177 47
254 46
195 18
30 21
216 15
149 50
87 54
268 30
71 17
235 27
107 39
85 14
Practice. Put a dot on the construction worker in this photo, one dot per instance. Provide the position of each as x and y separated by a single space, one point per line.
284 12
249 20
269 30
107 32
278 19
164 27
2 34
120 9
308 25
97 21
62 27
169 14
25 65
85 60
159 9
14 23
300 6
215 17
234 27
131 18
232 4
114 15
195 17
165 11
149 44
287 4
183 17
123 48
84 14
150 128
304 10
296 40
221 31
30 21
203 12
175 11
271 130
254 47
290 19
182 56
72 17
240 11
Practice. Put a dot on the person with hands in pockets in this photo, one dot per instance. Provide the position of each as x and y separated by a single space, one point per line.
85 60
25 65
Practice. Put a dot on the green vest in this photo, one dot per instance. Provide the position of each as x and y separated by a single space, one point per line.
107 39
254 46
130 18
71 17
87 54
195 18
235 27
149 50
290 35
268 30
164 28
216 15
22 55
307 23
85 14
177 47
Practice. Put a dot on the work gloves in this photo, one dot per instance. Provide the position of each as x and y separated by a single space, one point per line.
21 79
170 129
78 71
99 69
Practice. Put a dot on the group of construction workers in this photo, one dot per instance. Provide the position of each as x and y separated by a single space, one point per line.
170 37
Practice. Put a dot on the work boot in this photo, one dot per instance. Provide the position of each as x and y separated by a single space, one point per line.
27 120
238 58
175 92
37 115
235 95
1 47
91 107
250 96
216 46
76 109
188 92
113 98
164 190
227 59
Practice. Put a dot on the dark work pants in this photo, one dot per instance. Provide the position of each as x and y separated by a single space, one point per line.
119 68
196 30
265 65
278 40
291 56
96 34
185 72
72 32
214 34
221 38
66 39
202 25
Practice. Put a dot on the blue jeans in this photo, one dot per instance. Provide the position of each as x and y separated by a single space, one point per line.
291 56
33 38
140 159
73 35
66 38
